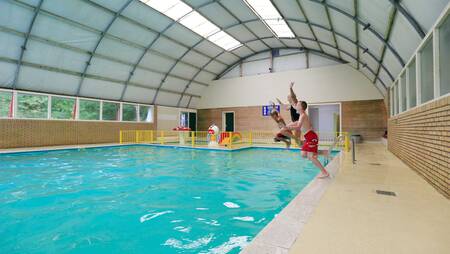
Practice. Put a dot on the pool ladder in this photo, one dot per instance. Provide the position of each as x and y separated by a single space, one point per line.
338 139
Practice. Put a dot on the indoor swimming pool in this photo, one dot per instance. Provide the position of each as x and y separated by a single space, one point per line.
144 199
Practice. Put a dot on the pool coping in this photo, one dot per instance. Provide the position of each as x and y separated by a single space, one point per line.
281 233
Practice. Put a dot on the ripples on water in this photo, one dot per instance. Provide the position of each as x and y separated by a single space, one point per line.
143 199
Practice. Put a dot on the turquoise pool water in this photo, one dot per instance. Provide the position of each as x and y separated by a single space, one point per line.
142 199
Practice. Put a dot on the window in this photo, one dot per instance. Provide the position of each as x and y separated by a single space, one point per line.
185 15
89 110
403 92
5 104
267 12
129 112
146 114
32 106
412 83
426 72
63 108
396 99
110 111
444 56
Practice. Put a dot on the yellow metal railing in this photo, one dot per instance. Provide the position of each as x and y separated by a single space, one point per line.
224 139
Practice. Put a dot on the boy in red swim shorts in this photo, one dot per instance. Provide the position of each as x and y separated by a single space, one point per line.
311 143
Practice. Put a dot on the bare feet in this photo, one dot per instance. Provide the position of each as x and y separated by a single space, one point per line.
323 175
288 144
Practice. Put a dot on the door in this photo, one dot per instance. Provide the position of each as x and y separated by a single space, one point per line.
228 118
193 121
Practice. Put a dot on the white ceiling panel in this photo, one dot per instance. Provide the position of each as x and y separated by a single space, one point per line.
346 46
257 46
310 44
404 38
147 16
259 56
227 58
346 5
147 78
50 28
301 29
117 50
425 18
343 24
184 101
113 5
47 81
10 45
293 43
239 9
195 58
184 70
180 33
368 74
205 77
273 43
156 62
215 67
131 32
330 50
194 102
139 94
241 33
167 99
350 60
315 13
217 15
196 3
195 88
169 48
259 29
289 9
324 35
174 84
208 48
101 89
368 60
79 11
242 51
7 72
385 77
368 40
15 16
376 13
233 73
41 53
106 68
392 63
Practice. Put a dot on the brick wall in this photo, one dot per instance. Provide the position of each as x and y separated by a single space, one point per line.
31 133
421 138
367 118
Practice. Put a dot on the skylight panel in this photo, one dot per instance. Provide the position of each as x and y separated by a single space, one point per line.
185 15
265 10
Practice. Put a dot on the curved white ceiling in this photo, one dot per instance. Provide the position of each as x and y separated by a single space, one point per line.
125 50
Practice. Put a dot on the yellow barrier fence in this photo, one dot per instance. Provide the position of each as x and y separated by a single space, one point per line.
228 140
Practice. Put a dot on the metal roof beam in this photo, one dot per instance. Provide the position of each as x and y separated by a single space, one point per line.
355 10
287 23
308 23
23 48
332 28
408 17
102 35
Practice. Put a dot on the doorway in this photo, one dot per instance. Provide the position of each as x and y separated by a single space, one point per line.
228 121
188 119
326 119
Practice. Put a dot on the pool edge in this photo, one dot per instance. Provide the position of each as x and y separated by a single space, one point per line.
281 233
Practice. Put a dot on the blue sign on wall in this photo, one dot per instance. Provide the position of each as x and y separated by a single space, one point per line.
267 109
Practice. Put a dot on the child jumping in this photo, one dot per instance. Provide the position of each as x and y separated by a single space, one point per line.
281 124
311 143
290 106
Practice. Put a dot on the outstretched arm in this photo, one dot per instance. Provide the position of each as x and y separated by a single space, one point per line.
293 96
286 106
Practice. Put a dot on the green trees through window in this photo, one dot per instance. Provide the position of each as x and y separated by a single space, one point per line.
5 103
62 108
32 106
129 112
110 111
89 110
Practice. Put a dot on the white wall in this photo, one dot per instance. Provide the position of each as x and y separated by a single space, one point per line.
169 117
325 84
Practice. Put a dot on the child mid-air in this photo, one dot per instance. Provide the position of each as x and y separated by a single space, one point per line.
281 124
311 143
